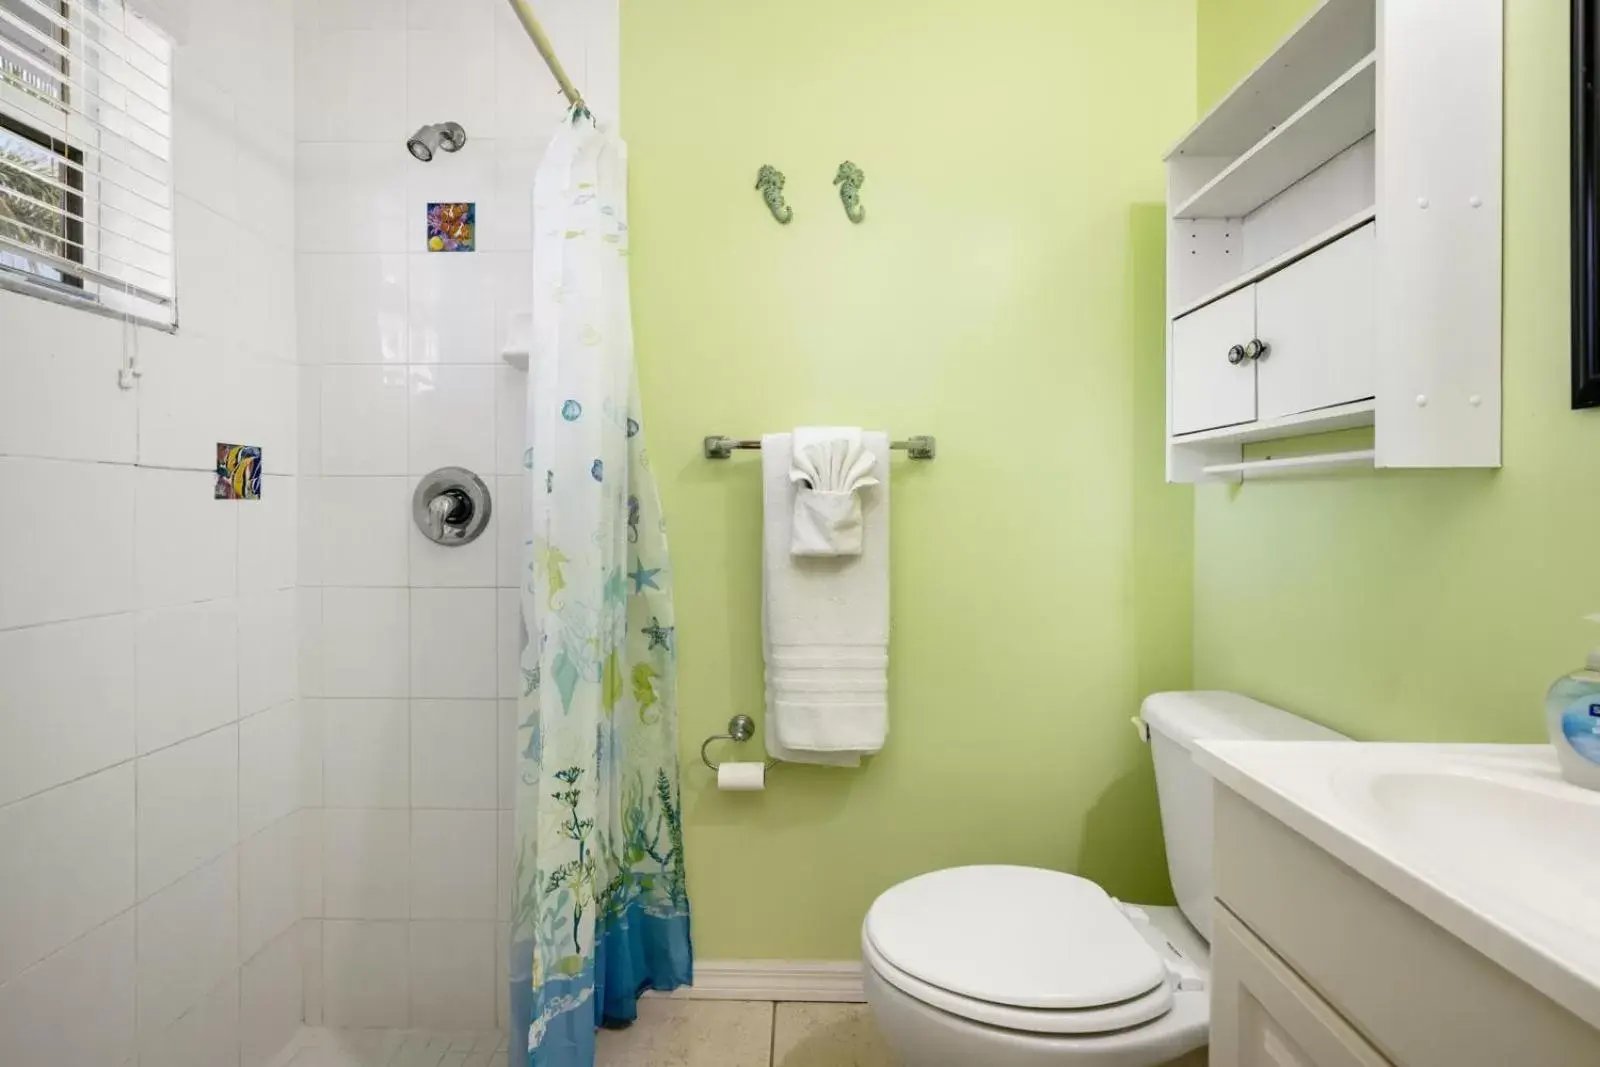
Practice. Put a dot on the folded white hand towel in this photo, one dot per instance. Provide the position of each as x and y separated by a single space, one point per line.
825 622
830 466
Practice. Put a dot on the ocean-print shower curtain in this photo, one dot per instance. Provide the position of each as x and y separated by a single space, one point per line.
599 911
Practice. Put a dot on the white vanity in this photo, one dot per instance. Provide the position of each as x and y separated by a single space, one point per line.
1405 904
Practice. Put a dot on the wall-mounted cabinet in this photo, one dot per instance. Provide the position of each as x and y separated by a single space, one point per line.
1334 245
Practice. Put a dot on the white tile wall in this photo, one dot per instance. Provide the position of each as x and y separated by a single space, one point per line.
138 622
453 864
188 942
365 757
206 1034
45 1013
365 641
451 419
362 542
352 308
409 649
269 767
188 671
55 724
271 1000
453 754
65 568
366 973
453 643
453 974
363 420
366 863
188 805
269 885
66 865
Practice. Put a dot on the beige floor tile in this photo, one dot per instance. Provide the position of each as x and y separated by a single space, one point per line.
828 1035
691 1033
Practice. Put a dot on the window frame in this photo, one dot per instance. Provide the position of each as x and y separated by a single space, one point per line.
72 177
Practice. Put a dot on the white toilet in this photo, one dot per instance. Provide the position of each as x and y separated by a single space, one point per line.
1022 967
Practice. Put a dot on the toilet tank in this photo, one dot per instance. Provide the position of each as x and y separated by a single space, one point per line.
1174 722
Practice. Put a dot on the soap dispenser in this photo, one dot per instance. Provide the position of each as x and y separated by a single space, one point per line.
1572 712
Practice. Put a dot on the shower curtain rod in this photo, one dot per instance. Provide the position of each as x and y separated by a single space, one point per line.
542 43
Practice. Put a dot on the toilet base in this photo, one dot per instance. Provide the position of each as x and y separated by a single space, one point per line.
922 1036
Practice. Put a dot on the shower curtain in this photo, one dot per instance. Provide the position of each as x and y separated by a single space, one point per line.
599 910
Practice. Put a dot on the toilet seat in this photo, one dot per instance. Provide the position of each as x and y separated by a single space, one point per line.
1020 948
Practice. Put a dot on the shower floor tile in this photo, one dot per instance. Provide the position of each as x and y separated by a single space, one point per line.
669 1033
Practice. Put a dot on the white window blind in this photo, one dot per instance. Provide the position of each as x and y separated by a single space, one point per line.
86 156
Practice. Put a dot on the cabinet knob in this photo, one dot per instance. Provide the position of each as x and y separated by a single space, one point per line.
1256 349
1236 355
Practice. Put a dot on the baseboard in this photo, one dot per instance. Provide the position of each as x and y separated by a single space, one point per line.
836 981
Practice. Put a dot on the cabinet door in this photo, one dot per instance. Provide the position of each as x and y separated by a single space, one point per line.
1263 1015
1207 390
1316 317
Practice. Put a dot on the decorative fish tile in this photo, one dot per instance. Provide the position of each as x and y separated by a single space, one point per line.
238 472
452 227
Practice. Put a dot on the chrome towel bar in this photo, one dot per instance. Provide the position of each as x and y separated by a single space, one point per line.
923 446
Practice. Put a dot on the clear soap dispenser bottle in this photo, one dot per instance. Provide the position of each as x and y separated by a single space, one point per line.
1572 713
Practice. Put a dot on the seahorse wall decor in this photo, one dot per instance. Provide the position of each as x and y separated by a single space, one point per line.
849 180
769 183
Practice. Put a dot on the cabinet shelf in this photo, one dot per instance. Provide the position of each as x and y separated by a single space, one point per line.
1280 261
1332 121
1323 420
1332 37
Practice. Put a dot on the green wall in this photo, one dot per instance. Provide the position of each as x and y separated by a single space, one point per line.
1234 36
1005 293
1426 605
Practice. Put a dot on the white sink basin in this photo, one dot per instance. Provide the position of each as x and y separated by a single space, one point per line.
1511 828
1486 840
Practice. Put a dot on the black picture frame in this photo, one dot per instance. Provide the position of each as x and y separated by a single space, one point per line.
1585 205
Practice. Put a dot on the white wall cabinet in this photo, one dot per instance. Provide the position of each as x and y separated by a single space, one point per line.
1298 341
1346 199
1317 319
1210 386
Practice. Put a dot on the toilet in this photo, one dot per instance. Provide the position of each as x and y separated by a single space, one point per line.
1021 967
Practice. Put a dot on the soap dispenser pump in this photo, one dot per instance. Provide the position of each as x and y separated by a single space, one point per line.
1572 712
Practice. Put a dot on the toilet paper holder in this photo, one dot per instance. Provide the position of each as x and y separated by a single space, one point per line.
740 728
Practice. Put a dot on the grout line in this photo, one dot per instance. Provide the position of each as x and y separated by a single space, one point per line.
772 1036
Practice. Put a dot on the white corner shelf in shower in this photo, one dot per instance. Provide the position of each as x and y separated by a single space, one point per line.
519 339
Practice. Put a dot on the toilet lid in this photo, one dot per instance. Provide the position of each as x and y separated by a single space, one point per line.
1016 936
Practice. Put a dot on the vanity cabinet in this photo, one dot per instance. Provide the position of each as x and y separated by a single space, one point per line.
1263 1015
1313 965
1297 341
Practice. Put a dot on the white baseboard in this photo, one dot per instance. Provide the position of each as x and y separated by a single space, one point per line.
837 981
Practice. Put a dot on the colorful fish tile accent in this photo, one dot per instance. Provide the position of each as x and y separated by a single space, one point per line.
452 227
238 472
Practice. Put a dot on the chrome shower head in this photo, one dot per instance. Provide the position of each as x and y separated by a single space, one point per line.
448 136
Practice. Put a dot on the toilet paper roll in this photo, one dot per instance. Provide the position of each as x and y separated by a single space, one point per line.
742 777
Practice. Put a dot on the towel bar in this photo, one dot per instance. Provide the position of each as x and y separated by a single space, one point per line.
922 446
740 728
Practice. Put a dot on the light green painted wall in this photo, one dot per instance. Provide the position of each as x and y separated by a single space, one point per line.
1005 294
1428 605
1234 36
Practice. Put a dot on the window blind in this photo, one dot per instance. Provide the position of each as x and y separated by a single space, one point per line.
86 155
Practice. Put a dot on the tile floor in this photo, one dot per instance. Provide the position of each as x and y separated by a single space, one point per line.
669 1033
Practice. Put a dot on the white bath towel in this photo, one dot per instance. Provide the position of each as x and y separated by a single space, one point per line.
830 467
825 623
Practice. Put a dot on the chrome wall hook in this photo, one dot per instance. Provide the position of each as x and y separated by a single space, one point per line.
769 183
849 180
